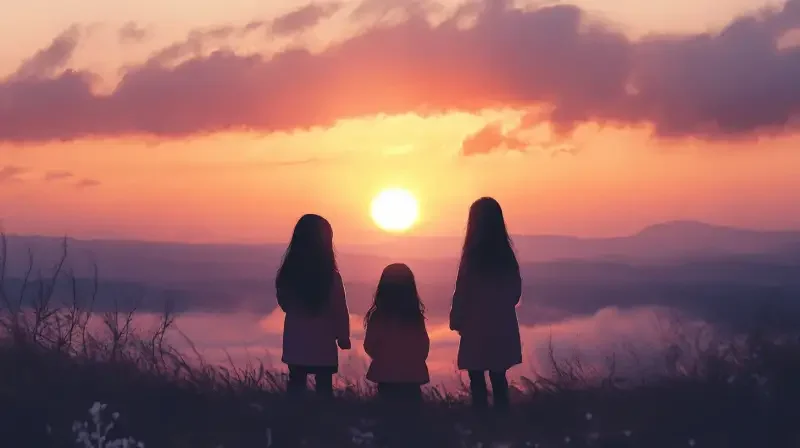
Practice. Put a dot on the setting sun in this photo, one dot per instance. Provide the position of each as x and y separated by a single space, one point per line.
395 210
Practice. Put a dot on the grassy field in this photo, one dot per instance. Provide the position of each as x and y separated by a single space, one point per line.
64 385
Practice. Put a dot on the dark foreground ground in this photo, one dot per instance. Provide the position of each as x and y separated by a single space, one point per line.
53 371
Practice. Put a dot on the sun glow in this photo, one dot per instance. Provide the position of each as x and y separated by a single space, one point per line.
395 210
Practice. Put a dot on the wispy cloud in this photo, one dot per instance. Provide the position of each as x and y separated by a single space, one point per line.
378 10
10 173
131 32
565 150
304 18
193 46
47 61
722 85
55 175
87 183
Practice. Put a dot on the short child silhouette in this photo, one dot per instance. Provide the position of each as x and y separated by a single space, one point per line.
396 338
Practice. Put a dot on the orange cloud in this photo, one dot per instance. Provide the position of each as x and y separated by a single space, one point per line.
489 139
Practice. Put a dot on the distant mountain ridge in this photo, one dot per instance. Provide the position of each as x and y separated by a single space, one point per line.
175 262
666 240
659 241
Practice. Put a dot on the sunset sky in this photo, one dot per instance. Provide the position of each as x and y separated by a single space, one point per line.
225 121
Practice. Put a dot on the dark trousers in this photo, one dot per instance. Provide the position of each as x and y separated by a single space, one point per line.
480 395
323 380
401 417
408 393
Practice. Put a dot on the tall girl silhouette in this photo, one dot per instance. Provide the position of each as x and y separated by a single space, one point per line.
311 293
487 291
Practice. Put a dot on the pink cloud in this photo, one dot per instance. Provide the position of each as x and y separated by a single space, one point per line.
55 175
11 173
87 183
303 18
131 32
489 139
47 61
716 85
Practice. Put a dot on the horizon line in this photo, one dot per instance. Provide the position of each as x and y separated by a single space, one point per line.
395 237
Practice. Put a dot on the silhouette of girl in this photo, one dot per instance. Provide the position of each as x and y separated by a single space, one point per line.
396 338
488 289
311 293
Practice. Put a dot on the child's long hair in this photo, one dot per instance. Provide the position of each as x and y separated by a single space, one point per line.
487 246
397 296
308 267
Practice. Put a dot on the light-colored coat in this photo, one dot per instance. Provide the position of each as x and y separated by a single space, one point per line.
398 351
485 315
310 339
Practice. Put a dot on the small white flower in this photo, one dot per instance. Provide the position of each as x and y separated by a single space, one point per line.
98 436
692 442
567 439
731 379
627 433
589 416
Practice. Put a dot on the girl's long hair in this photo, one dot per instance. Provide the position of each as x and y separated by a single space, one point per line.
487 246
397 297
308 267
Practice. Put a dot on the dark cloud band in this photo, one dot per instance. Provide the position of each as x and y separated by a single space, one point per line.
736 82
